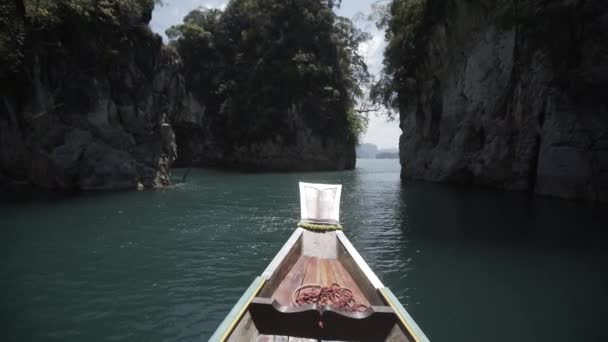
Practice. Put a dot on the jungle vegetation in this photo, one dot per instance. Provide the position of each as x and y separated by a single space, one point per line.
39 24
404 23
259 65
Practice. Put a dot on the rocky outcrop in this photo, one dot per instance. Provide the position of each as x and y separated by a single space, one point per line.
273 89
305 150
201 141
511 94
91 99
88 108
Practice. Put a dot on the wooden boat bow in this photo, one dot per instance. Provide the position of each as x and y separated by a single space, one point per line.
266 311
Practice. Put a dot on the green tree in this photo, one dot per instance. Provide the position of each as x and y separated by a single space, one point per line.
259 59
22 19
404 22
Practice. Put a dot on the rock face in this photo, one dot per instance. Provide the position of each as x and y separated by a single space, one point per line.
305 151
202 142
89 109
273 87
511 94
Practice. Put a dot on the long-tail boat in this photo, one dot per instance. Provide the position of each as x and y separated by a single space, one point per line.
318 287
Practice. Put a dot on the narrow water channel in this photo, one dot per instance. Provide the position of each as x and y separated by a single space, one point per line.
167 265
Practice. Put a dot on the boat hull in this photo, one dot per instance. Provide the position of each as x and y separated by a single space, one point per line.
267 310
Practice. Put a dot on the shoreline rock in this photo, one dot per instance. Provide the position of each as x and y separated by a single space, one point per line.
88 110
516 104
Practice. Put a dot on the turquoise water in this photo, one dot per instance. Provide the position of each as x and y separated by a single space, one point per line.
167 265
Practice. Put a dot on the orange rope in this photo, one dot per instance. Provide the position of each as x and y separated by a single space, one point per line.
339 297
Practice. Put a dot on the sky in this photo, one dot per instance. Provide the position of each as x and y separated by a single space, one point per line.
381 132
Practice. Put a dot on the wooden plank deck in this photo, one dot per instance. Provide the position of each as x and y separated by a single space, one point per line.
312 270
275 338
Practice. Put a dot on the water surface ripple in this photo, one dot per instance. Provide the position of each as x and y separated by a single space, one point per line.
167 265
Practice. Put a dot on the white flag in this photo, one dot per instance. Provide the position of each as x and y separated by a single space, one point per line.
320 202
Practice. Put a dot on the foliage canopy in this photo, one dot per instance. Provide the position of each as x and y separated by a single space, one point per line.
20 19
259 62
404 22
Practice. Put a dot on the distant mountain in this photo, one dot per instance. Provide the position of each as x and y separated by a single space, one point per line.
367 151
371 151
389 150
387 155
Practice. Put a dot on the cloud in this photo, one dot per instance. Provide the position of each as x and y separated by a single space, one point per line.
381 132
174 11
372 50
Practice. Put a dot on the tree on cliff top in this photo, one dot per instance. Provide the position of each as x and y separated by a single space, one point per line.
41 12
20 18
259 60
403 21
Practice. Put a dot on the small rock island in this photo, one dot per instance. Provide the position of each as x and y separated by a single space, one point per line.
92 99
507 94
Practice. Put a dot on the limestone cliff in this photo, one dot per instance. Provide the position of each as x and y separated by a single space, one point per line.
510 94
273 86
202 141
87 107
91 99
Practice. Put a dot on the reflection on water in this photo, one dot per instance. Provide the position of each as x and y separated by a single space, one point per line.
505 267
167 265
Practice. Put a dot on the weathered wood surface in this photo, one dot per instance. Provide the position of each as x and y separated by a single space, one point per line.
407 321
292 281
308 270
354 254
397 334
328 275
275 338
292 268
313 271
319 244
282 264
272 338
245 330
238 310
344 279
272 318
358 270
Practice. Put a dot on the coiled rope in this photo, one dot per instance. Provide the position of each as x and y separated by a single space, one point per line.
319 227
339 297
